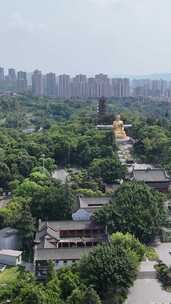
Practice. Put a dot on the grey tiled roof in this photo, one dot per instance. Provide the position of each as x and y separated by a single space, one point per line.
48 236
69 225
45 244
60 254
93 202
49 232
151 175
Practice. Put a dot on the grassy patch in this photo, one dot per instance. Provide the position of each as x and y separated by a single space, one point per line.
9 275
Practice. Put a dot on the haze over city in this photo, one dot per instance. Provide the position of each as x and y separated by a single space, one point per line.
117 37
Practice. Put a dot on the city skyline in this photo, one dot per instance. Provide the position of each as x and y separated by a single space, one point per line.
81 85
152 76
87 36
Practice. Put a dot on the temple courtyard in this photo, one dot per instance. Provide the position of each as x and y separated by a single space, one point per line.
147 289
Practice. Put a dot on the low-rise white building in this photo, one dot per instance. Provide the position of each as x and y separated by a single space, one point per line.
10 257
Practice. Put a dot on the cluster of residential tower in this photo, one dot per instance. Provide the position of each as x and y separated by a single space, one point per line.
80 86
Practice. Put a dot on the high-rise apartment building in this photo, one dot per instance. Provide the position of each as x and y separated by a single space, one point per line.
2 76
11 80
102 85
79 86
37 83
64 86
120 87
12 75
91 88
125 87
51 88
151 88
21 81
141 87
116 87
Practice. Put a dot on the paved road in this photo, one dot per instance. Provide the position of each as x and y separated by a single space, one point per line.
148 291
164 252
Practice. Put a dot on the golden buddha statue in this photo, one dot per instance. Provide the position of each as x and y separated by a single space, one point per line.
118 128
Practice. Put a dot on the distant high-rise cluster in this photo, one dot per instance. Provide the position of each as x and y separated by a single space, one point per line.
80 86
151 88
64 86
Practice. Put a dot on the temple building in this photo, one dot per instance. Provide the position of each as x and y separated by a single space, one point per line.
87 205
156 178
64 242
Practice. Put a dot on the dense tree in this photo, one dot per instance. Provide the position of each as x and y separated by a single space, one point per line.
51 271
69 281
84 295
5 175
4 217
83 180
135 208
109 169
20 162
28 187
110 268
25 290
53 202
54 284
91 297
36 294
49 199
153 144
76 296
26 227
163 274
129 242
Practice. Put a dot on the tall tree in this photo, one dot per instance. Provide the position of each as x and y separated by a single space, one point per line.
84 295
109 268
51 272
26 227
134 208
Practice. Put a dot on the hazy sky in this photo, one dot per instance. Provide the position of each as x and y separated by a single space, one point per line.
88 36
